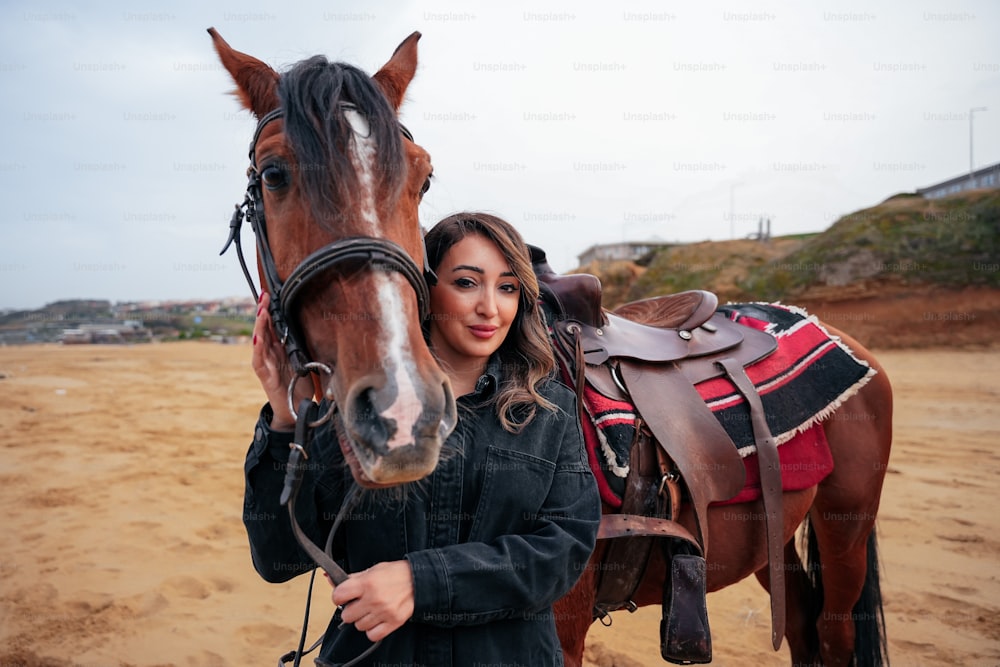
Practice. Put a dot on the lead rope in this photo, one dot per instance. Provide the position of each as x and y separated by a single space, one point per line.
294 473
299 653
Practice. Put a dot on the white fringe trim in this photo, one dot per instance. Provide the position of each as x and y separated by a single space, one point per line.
609 454
830 409
610 458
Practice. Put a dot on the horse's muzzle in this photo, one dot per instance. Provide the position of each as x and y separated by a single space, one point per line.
394 435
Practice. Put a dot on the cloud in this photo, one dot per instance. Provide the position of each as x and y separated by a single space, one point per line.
580 123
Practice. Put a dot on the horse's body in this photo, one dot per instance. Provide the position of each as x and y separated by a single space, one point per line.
340 254
833 621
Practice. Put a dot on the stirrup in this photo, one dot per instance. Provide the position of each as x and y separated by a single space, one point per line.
685 637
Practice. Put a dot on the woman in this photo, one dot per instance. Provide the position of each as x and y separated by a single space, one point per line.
463 568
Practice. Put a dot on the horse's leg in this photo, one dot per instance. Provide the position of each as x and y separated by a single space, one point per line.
843 560
574 612
843 514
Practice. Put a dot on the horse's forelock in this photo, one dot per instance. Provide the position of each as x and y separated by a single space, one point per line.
311 94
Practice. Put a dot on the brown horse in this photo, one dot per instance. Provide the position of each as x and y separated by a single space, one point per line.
340 184
832 597
340 253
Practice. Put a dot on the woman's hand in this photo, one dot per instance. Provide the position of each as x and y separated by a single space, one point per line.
270 363
378 600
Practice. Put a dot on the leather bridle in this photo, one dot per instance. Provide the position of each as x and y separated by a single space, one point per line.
357 252
342 255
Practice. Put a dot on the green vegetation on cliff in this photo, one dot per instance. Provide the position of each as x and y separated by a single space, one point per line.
904 241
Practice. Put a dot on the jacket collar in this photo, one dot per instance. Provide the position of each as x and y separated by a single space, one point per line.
488 382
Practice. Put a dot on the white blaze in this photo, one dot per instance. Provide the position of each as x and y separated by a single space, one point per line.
406 407
364 158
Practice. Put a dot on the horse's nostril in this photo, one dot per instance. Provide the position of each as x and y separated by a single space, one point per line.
369 426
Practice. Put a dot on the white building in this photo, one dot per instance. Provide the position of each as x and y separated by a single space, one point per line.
987 177
631 251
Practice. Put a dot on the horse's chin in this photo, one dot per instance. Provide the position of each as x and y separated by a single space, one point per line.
363 479
357 472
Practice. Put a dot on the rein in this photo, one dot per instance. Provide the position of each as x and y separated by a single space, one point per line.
359 252
323 557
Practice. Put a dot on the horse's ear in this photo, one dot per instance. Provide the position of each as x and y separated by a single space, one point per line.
256 82
395 75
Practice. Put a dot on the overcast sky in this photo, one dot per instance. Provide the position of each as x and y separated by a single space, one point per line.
581 123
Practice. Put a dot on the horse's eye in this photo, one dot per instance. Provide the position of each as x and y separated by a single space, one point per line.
426 186
274 177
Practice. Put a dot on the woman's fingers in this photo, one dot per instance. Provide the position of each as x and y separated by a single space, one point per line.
378 600
266 360
378 632
270 364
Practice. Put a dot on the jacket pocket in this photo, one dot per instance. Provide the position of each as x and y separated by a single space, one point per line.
515 486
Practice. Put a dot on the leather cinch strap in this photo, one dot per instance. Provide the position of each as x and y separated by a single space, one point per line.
770 484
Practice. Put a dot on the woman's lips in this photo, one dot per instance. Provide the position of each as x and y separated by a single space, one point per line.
483 331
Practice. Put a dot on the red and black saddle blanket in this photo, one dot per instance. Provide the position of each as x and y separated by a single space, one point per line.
800 384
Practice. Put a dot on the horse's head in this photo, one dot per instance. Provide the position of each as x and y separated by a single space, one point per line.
335 182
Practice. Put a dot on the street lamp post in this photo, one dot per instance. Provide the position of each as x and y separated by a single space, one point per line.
972 169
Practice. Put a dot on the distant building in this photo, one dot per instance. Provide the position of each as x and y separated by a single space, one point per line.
987 177
129 331
631 251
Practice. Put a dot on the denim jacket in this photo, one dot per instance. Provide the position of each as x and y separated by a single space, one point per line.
501 529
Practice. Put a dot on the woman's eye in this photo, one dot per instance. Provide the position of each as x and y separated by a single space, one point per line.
510 287
274 177
465 282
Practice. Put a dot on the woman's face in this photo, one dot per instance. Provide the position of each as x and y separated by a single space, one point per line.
474 302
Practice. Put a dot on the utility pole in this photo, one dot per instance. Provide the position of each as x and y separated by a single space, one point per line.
972 169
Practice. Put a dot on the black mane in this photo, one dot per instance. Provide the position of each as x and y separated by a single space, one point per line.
311 94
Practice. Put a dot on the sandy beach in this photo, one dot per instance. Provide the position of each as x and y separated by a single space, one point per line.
123 542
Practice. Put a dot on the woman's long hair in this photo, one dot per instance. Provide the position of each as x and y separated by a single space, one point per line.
526 354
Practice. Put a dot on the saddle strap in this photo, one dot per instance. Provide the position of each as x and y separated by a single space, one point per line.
691 435
632 525
650 504
770 483
624 561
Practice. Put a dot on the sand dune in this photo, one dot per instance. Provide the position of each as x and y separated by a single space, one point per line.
123 542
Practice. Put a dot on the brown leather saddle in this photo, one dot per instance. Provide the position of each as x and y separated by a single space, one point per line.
651 353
